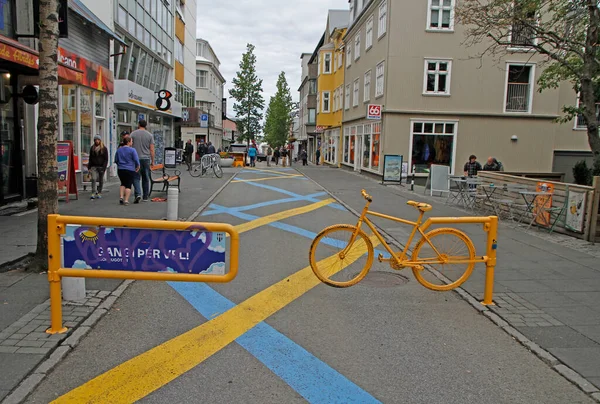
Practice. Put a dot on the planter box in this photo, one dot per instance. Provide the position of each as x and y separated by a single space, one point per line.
227 162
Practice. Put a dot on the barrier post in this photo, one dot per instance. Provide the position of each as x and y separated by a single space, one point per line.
490 265
54 231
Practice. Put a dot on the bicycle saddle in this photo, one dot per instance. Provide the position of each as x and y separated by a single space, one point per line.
423 207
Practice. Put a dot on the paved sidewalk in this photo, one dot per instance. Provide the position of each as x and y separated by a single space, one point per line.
24 305
547 286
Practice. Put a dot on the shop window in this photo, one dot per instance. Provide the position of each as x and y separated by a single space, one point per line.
432 143
99 105
346 145
85 98
69 117
366 160
375 146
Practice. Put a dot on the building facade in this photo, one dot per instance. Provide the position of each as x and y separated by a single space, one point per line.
84 99
307 106
438 105
209 98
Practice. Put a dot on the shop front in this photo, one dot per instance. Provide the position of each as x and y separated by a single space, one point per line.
134 103
331 142
361 149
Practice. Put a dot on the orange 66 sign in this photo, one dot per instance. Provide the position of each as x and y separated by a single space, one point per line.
373 111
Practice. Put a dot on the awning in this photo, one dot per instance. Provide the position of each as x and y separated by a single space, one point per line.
84 12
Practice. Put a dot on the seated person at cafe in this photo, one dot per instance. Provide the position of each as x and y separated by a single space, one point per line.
472 166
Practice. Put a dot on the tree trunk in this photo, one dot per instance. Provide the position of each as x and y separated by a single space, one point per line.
47 128
590 71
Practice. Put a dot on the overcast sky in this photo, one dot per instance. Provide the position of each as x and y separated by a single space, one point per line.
281 30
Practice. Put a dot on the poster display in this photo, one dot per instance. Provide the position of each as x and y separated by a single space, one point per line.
144 250
67 184
575 211
170 160
543 202
85 173
392 168
438 181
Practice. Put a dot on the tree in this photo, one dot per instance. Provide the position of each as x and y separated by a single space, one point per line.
247 92
47 128
564 33
279 114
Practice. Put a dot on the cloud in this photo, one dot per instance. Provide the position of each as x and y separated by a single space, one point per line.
202 237
218 268
80 264
280 30
169 270
217 246
108 230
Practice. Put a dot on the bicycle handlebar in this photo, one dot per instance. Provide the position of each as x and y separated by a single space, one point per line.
366 196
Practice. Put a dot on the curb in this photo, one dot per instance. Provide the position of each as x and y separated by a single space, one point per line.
29 384
565 371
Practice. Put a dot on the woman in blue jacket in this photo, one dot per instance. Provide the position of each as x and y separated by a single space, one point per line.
128 164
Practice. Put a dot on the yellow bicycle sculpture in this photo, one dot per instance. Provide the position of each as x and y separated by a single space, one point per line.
448 251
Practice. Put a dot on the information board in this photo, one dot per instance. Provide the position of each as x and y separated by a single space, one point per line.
170 160
67 184
145 250
392 168
437 181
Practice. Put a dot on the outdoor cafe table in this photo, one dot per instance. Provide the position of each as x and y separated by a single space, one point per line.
530 198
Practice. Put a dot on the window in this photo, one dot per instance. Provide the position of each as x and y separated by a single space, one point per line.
327 63
348 55
379 80
355 99
519 88
139 32
383 18
200 49
522 33
367 87
131 25
357 46
326 101
312 86
580 122
369 35
122 16
340 58
312 116
201 78
347 98
437 77
142 64
432 142
440 16
178 51
335 100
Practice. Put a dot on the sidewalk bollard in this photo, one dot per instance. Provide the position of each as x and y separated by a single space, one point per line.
172 203
412 181
73 289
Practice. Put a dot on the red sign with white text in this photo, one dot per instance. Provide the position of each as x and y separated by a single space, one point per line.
373 111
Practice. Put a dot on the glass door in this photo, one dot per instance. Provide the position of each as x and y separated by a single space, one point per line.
10 144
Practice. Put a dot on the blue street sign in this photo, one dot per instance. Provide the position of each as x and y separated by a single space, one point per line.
204 121
144 250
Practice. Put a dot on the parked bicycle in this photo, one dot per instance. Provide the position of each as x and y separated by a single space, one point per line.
207 162
341 255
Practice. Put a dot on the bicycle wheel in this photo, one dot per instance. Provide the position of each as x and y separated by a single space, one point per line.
453 245
218 170
196 170
328 264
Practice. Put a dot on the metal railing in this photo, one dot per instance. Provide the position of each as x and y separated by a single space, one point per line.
517 97
522 35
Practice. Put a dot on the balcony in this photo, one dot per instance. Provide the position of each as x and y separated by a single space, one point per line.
517 97
522 36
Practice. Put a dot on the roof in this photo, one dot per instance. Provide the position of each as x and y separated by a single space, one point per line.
337 19
84 12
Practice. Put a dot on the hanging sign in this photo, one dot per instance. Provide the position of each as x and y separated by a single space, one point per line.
163 102
67 184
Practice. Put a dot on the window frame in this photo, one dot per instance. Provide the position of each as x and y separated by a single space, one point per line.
356 92
357 46
377 94
382 22
347 97
325 60
448 74
530 92
429 28
348 56
367 91
369 37
328 110
423 121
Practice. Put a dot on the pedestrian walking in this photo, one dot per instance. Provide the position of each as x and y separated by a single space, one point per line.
252 155
472 166
143 143
493 165
276 155
269 154
304 157
318 155
97 163
128 164
189 152
210 148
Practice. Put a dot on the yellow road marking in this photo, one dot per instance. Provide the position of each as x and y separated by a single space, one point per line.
269 178
266 170
145 373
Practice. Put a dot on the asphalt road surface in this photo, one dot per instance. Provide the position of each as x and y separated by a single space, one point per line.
276 335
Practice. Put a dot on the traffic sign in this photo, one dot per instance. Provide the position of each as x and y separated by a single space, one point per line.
373 111
204 121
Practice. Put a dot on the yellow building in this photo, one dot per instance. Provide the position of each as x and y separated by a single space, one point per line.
330 87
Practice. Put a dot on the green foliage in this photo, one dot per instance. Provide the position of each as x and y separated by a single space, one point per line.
279 114
582 174
247 92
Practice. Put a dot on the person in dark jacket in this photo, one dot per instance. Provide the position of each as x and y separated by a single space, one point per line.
276 155
97 163
304 157
493 165
472 166
129 164
189 152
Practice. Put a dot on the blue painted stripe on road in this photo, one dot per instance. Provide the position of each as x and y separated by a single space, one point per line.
292 194
312 378
268 203
262 173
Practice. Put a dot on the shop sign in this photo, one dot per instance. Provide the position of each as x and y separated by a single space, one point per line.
373 111
163 102
127 92
19 56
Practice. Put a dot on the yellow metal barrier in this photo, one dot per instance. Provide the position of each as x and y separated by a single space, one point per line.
57 226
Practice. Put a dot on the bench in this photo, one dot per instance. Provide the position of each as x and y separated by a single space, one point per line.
165 179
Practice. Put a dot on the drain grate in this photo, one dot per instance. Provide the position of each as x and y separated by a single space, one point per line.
381 279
